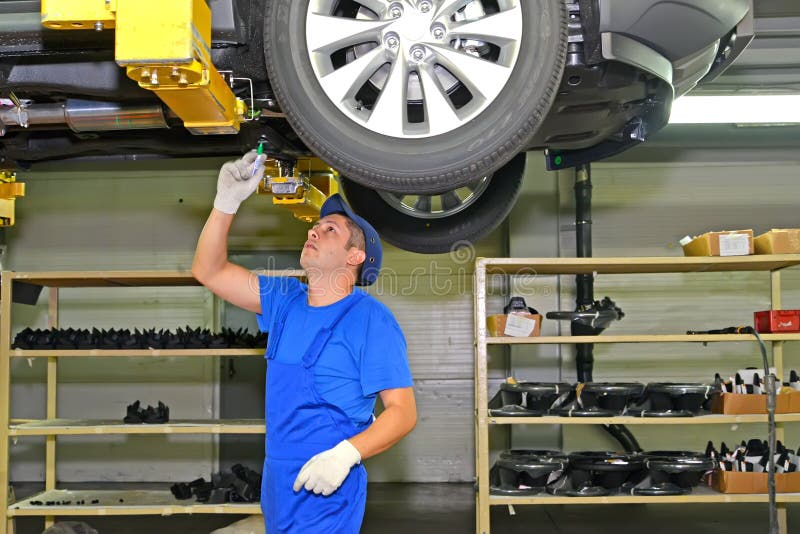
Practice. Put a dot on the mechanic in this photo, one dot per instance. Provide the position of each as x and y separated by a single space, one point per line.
332 350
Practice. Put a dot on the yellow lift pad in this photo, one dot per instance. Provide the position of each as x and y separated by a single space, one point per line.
303 193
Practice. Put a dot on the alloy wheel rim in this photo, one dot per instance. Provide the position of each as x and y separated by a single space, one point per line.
413 68
437 206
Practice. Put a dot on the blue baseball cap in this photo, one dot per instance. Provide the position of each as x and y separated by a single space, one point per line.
374 249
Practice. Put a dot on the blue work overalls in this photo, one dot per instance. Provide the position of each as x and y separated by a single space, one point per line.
301 424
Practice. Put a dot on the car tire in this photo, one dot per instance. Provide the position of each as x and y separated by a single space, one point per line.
443 234
418 164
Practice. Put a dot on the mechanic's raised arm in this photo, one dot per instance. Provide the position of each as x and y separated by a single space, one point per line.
211 267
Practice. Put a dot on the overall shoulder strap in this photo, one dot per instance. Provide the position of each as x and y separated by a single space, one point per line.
281 313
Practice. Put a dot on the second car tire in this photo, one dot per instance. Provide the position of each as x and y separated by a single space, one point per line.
445 234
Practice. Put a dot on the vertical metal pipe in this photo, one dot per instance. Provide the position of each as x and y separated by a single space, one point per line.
584 360
584 282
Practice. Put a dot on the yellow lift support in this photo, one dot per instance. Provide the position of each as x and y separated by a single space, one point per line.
10 189
301 190
164 45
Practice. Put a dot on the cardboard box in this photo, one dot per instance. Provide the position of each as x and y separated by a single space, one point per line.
522 325
777 321
734 482
721 244
779 241
738 404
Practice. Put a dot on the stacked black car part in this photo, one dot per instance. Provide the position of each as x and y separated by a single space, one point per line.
85 339
241 484
601 399
526 399
666 399
151 416
520 472
598 473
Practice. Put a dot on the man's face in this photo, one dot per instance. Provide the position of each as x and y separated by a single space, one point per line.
324 251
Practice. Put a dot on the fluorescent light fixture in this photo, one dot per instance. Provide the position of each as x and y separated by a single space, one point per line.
745 109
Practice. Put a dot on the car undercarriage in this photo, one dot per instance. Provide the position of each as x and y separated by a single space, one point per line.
422 106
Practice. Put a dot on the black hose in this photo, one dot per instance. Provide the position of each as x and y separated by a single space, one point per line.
624 436
584 361
772 438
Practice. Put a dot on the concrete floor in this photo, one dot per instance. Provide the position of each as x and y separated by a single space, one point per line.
449 508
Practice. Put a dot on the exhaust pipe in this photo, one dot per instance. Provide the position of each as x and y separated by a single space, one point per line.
86 116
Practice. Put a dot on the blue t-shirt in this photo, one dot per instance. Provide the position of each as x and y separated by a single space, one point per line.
365 354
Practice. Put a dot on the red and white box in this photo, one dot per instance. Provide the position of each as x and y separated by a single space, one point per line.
773 321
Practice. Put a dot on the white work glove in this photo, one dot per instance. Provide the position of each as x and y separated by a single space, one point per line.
326 471
236 182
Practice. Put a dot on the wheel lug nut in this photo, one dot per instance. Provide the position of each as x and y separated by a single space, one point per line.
438 32
417 53
391 41
424 6
396 11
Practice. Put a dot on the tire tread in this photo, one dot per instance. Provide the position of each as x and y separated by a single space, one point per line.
434 182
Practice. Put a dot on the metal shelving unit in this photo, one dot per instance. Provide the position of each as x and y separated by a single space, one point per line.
772 264
108 502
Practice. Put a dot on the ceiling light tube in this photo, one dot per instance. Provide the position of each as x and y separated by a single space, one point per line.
744 109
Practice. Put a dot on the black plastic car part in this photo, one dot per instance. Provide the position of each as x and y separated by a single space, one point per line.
537 453
512 410
590 470
241 484
587 491
592 320
518 304
637 412
579 412
85 339
676 398
674 472
134 415
526 472
660 490
600 399
151 416
157 415
526 398
181 491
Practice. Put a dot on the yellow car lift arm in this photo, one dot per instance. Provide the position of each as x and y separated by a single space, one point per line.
164 45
